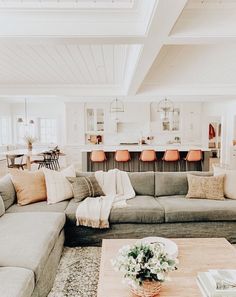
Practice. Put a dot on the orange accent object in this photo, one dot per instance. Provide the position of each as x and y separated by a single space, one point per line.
98 156
194 156
171 156
148 156
122 156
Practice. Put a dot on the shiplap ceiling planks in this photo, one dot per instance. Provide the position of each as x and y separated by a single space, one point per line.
66 4
62 64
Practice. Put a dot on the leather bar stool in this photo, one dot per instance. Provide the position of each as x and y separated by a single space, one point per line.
148 156
193 156
123 156
171 156
98 156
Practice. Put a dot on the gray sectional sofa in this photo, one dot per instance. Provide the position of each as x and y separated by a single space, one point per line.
32 236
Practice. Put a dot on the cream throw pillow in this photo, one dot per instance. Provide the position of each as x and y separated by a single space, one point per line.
206 187
30 186
230 181
58 187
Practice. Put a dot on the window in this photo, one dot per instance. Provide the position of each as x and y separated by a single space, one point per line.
24 130
5 130
48 130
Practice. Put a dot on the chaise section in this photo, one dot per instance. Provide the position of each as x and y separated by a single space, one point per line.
39 207
27 239
181 209
16 282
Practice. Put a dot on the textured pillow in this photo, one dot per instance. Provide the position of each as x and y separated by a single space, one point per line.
7 191
205 187
84 187
230 181
2 207
58 187
30 186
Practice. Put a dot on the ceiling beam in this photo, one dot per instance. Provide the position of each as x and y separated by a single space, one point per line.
61 90
76 40
165 15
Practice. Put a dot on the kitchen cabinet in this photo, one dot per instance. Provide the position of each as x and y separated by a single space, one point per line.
94 120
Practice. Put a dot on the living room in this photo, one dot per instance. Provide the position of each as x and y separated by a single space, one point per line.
117 148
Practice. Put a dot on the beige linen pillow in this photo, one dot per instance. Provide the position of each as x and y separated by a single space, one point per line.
230 181
30 186
205 187
58 187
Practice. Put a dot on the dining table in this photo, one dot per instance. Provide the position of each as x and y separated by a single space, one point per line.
29 154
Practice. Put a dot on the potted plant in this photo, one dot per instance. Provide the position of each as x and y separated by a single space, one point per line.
145 267
29 141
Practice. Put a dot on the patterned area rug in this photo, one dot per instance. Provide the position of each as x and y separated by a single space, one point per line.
77 274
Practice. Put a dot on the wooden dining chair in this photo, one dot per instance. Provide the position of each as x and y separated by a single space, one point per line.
15 161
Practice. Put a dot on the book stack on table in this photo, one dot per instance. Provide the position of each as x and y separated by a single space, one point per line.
217 283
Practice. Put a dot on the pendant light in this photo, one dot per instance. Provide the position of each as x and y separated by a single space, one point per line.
116 107
165 108
25 121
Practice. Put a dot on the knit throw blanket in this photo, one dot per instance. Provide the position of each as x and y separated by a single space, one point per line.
94 212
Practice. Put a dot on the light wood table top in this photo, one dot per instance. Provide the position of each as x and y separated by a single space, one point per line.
195 255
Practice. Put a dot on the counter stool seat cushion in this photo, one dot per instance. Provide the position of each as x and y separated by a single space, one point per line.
148 156
181 209
98 156
194 156
122 156
171 156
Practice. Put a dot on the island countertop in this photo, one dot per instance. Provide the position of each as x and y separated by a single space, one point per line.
139 148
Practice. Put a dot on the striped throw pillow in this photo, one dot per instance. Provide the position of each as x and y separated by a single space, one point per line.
84 187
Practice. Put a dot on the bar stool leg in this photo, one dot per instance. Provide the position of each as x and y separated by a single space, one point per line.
179 167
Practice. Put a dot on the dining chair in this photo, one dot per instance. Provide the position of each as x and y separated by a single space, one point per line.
15 161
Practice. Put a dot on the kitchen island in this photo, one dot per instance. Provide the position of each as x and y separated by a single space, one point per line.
135 151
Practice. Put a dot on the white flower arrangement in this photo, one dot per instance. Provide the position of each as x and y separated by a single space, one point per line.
144 262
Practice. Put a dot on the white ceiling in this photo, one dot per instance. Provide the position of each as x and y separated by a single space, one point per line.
62 64
67 4
136 49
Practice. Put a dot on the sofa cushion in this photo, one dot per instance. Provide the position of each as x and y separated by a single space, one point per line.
140 209
26 239
181 209
7 191
39 207
143 183
16 282
84 174
2 207
174 183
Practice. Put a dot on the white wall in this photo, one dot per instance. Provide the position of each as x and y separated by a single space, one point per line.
42 110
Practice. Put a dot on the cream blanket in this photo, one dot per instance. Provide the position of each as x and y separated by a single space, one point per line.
94 212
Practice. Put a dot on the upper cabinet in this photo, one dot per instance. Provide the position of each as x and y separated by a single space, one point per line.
94 120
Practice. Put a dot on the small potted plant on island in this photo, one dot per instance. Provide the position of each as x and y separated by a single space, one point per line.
145 267
29 141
